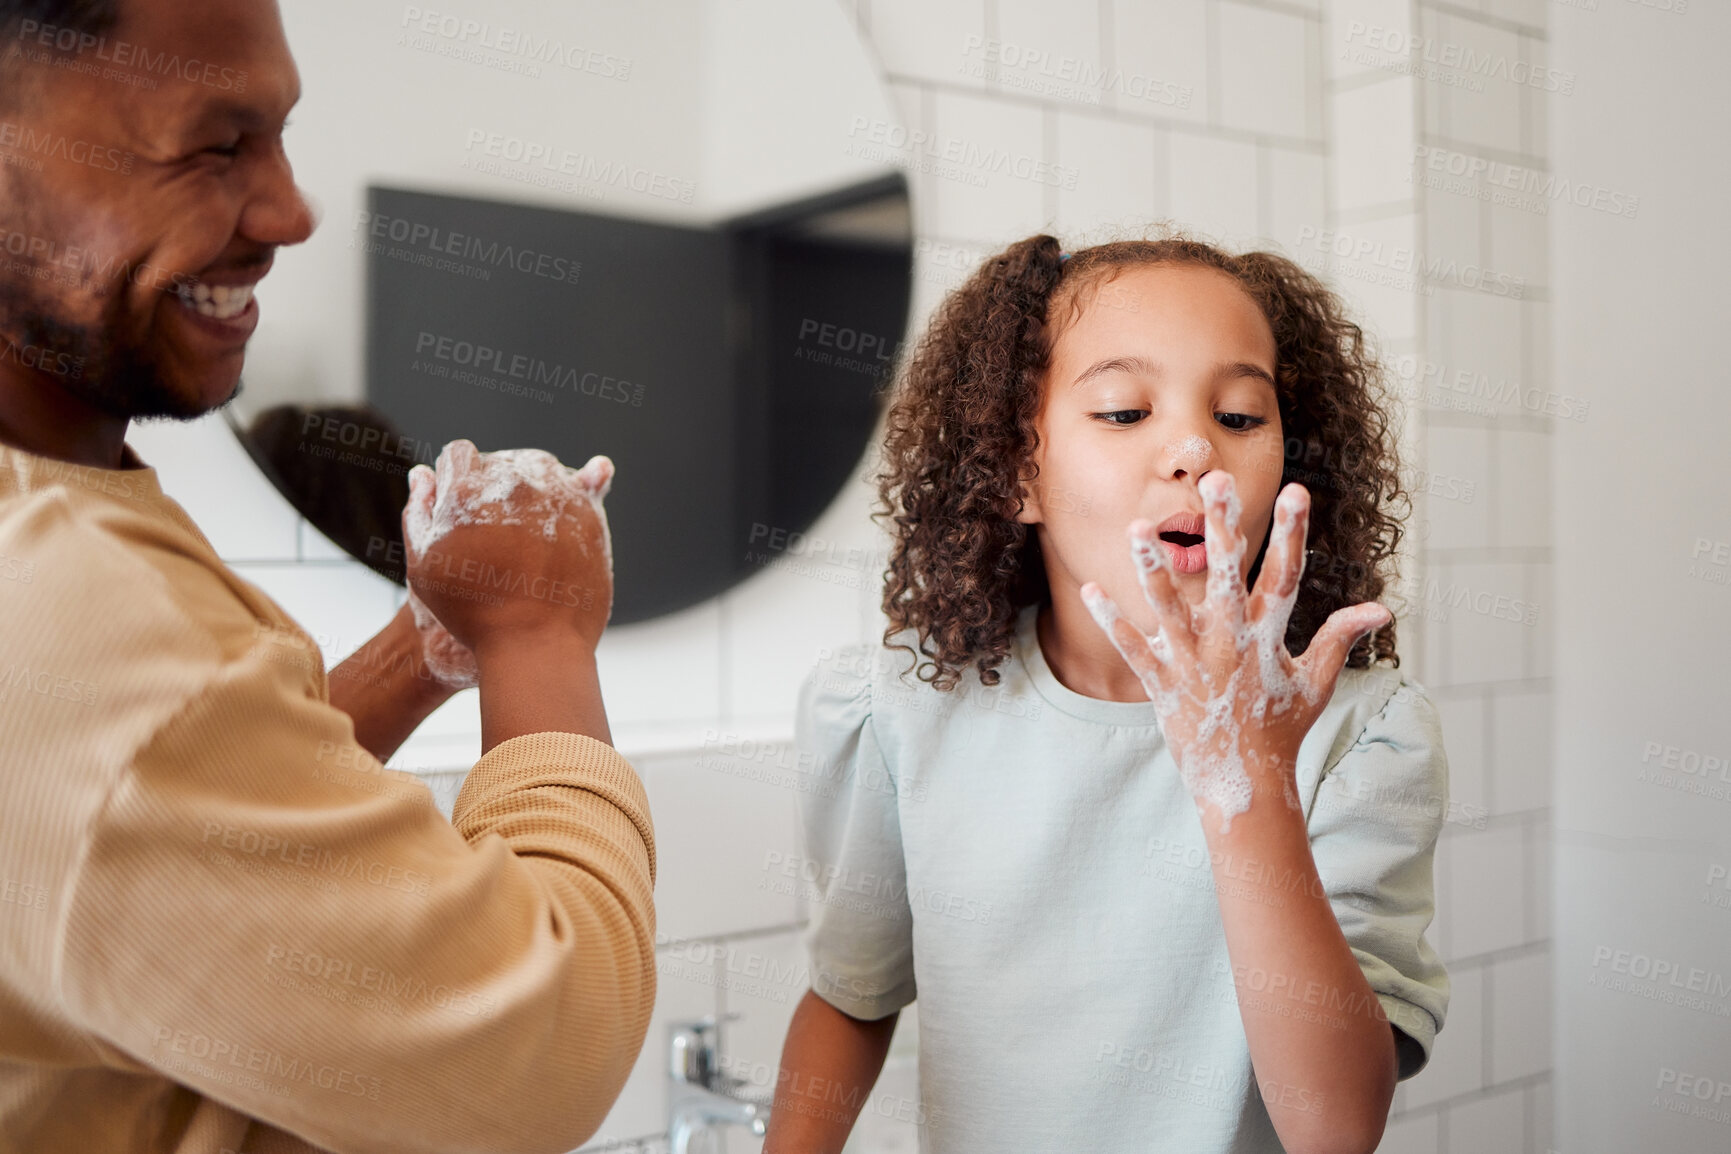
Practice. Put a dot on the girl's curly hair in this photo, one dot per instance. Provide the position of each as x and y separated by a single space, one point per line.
960 439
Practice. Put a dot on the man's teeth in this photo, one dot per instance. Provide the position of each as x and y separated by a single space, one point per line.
224 302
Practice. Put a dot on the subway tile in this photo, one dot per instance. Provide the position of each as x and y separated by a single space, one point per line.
1476 339
1539 898
907 102
1487 873
1297 195
1539 1117
1049 48
341 605
1161 53
1372 134
1457 1059
1359 32
1520 750
719 816
761 979
985 184
1371 265
448 740
1427 630
1494 1124
1468 73
1264 79
1453 222
927 38
1521 505
1214 186
202 466
1536 347
1520 1017
1533 13
1410 1135
1119 184
807 594
313 545
1484 610
662 674
1536 103
1541 641
1456 469
1519 243
1463 725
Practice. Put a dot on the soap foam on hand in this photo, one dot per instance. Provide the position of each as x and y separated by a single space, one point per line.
506 487
1213 767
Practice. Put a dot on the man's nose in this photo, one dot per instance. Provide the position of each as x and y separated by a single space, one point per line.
278 213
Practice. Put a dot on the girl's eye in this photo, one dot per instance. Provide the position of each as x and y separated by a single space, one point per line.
225 149
1248 422
1122 416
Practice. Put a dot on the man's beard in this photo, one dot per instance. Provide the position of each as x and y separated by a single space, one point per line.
117 375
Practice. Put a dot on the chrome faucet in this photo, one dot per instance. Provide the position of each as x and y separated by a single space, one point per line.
700 1095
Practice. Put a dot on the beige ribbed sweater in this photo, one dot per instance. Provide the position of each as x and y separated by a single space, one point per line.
224 927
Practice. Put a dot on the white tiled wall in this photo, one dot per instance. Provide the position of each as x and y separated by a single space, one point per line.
1484 527
1250 121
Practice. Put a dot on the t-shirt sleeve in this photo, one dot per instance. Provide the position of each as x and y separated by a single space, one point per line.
1373 832
851 873
265 914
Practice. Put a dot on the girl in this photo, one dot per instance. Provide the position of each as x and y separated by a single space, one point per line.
1157 884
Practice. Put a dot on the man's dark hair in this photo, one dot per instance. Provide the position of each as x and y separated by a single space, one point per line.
92 16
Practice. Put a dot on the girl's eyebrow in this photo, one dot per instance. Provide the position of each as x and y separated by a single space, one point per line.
1139 366
1142 366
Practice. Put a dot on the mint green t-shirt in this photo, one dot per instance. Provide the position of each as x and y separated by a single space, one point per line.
1028 863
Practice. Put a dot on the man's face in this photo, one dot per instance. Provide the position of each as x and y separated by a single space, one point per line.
143 193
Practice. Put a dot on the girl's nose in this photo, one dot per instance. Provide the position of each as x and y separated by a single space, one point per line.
1188 456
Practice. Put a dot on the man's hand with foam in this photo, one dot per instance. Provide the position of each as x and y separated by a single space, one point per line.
505 545
1234 705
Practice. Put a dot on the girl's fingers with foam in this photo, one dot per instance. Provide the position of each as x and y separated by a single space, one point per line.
1277 585
1322 661
1225 597
1176 624
1145 659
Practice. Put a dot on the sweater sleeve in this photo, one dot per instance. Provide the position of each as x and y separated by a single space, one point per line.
852 874
263 913
1373 832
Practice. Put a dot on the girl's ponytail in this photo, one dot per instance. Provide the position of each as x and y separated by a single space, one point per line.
966 405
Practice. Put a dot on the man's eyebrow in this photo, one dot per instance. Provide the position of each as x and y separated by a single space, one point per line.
226 111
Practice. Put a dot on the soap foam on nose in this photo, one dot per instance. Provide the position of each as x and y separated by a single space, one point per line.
1191 450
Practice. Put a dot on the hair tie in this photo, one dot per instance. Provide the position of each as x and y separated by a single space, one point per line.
1064 256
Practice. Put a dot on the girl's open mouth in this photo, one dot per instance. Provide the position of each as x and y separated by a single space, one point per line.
1186 551
1182 535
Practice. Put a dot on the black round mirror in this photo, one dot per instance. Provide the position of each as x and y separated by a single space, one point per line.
659 235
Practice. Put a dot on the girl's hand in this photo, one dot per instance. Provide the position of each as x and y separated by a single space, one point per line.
1233 704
